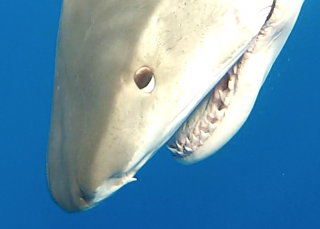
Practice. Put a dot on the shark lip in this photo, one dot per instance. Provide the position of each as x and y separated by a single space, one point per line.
193 134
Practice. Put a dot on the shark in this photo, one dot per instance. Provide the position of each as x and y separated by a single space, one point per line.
133 76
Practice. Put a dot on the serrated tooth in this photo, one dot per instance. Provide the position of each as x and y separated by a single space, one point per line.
212 127
235 69
203 124
179 145
188 149
175 150
203 136
187 143
225 99
219 114
193 138
196 131
210 115
231 83
216 95
221 95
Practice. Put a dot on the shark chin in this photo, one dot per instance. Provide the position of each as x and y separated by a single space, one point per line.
131 76
225 109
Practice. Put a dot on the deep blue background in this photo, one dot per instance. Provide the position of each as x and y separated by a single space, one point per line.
267 176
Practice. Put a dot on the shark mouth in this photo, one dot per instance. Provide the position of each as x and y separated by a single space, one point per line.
195 132
213 109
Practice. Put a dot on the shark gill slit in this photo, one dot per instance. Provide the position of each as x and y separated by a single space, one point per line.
193 135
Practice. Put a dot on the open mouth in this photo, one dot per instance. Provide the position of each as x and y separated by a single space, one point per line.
210 113
208 116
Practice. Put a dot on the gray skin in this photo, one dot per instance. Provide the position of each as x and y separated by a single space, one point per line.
103 127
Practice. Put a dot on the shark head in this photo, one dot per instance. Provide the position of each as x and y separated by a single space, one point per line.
128 74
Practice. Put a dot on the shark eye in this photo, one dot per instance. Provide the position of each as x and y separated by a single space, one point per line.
144 79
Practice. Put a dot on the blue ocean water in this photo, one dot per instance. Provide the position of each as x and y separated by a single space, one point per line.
267 176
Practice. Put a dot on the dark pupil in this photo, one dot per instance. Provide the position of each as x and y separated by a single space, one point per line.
142 78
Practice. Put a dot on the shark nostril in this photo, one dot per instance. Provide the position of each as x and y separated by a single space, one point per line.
144 79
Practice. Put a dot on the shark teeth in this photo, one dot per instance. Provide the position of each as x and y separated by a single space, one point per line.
203 136
194 135
232 82
194 138
219 114
212 127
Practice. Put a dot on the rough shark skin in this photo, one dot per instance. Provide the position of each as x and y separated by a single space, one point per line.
129 73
